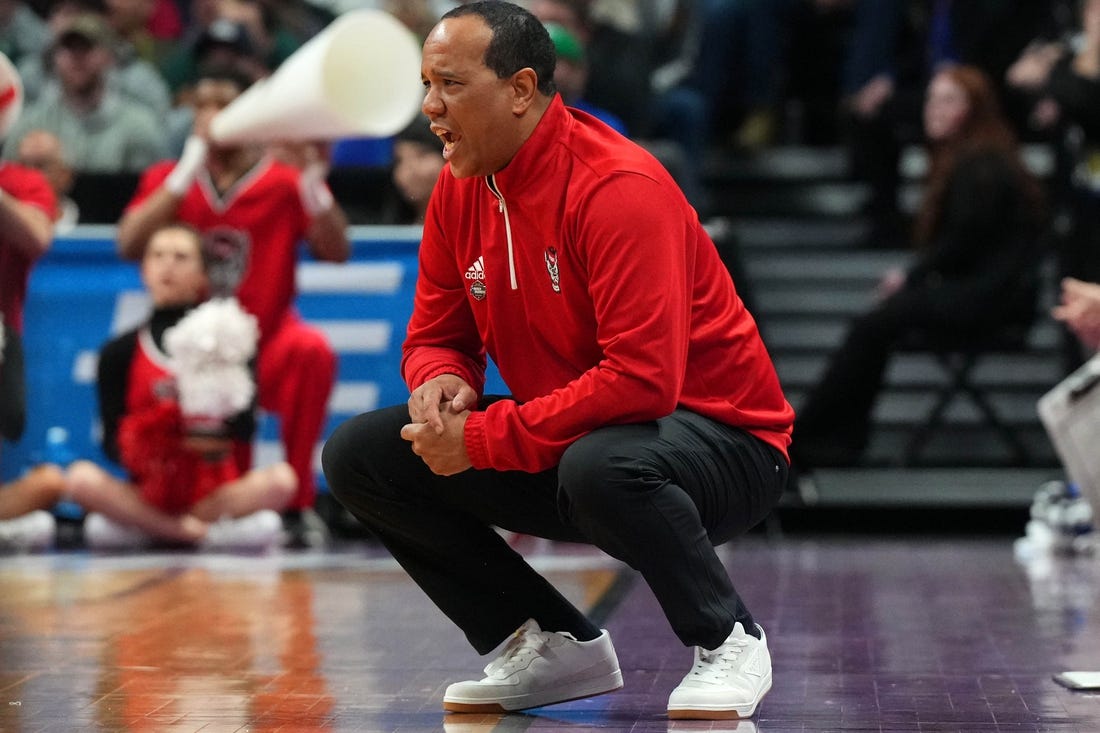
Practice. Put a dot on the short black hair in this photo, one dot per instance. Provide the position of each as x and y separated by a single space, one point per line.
519 40
224 71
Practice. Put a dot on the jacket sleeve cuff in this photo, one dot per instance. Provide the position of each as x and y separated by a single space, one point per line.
476 448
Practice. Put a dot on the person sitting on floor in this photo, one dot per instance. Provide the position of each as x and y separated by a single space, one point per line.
185 486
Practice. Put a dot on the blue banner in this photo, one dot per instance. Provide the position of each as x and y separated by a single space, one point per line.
81 294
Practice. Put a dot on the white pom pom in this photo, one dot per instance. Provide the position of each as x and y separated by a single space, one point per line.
210 348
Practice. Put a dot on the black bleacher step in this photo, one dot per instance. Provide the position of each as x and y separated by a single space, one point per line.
798 333
831 163
792 232
924 487
906 409
776 164
1039 371
792 298
954 445
1040 159
822 268
833 200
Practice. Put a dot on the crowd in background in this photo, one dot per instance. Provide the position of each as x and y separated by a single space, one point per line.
110 88
112 79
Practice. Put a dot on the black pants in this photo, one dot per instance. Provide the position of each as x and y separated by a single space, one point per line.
657 496
833 425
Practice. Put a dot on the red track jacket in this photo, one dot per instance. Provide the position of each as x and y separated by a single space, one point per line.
583 272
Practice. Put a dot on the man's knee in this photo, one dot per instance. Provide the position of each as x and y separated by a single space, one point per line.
354 455
336 455
593 478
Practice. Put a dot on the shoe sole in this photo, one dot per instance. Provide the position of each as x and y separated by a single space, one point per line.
608 683
734 713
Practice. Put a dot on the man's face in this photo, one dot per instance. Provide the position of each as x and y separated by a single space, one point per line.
42 151
211 97
469 107
80 64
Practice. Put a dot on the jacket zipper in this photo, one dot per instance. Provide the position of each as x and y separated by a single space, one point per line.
503 209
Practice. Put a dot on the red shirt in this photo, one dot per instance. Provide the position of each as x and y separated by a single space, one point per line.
582 270
266 208
29 187
170 476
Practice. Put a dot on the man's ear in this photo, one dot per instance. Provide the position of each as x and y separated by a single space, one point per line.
525 89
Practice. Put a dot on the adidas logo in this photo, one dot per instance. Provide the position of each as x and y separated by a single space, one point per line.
476 271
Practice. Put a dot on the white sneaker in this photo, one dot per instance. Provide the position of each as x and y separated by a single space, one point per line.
725 683
260 530
539 668
101 533
34 530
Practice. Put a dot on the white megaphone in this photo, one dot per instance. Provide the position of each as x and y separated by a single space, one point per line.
11 95
359 77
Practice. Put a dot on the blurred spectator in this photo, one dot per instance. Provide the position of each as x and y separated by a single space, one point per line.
1060 78
100 128
417 163
648 95
894 48
303 20
41 150
181 487
418 15
571 74
166 23
130 20
275 208
196 16
224 42
130 75
248 29
976 274
1079 309
27 208
738 66
22 32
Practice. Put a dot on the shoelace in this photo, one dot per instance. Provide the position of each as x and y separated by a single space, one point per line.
524 644
717 664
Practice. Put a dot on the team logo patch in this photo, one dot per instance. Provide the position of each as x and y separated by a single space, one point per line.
476 274
226 250
551 257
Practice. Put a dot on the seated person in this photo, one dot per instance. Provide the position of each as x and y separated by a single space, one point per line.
976 274
27 207
180 485
42 150
1079 309
25 520
417 162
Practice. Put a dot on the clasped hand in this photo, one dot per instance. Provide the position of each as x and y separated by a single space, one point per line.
438 412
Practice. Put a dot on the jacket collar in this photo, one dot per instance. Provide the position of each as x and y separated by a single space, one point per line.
533 157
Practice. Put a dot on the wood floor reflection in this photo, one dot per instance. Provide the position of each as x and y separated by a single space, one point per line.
866 634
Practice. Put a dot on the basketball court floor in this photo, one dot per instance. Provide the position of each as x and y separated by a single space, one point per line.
868 633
